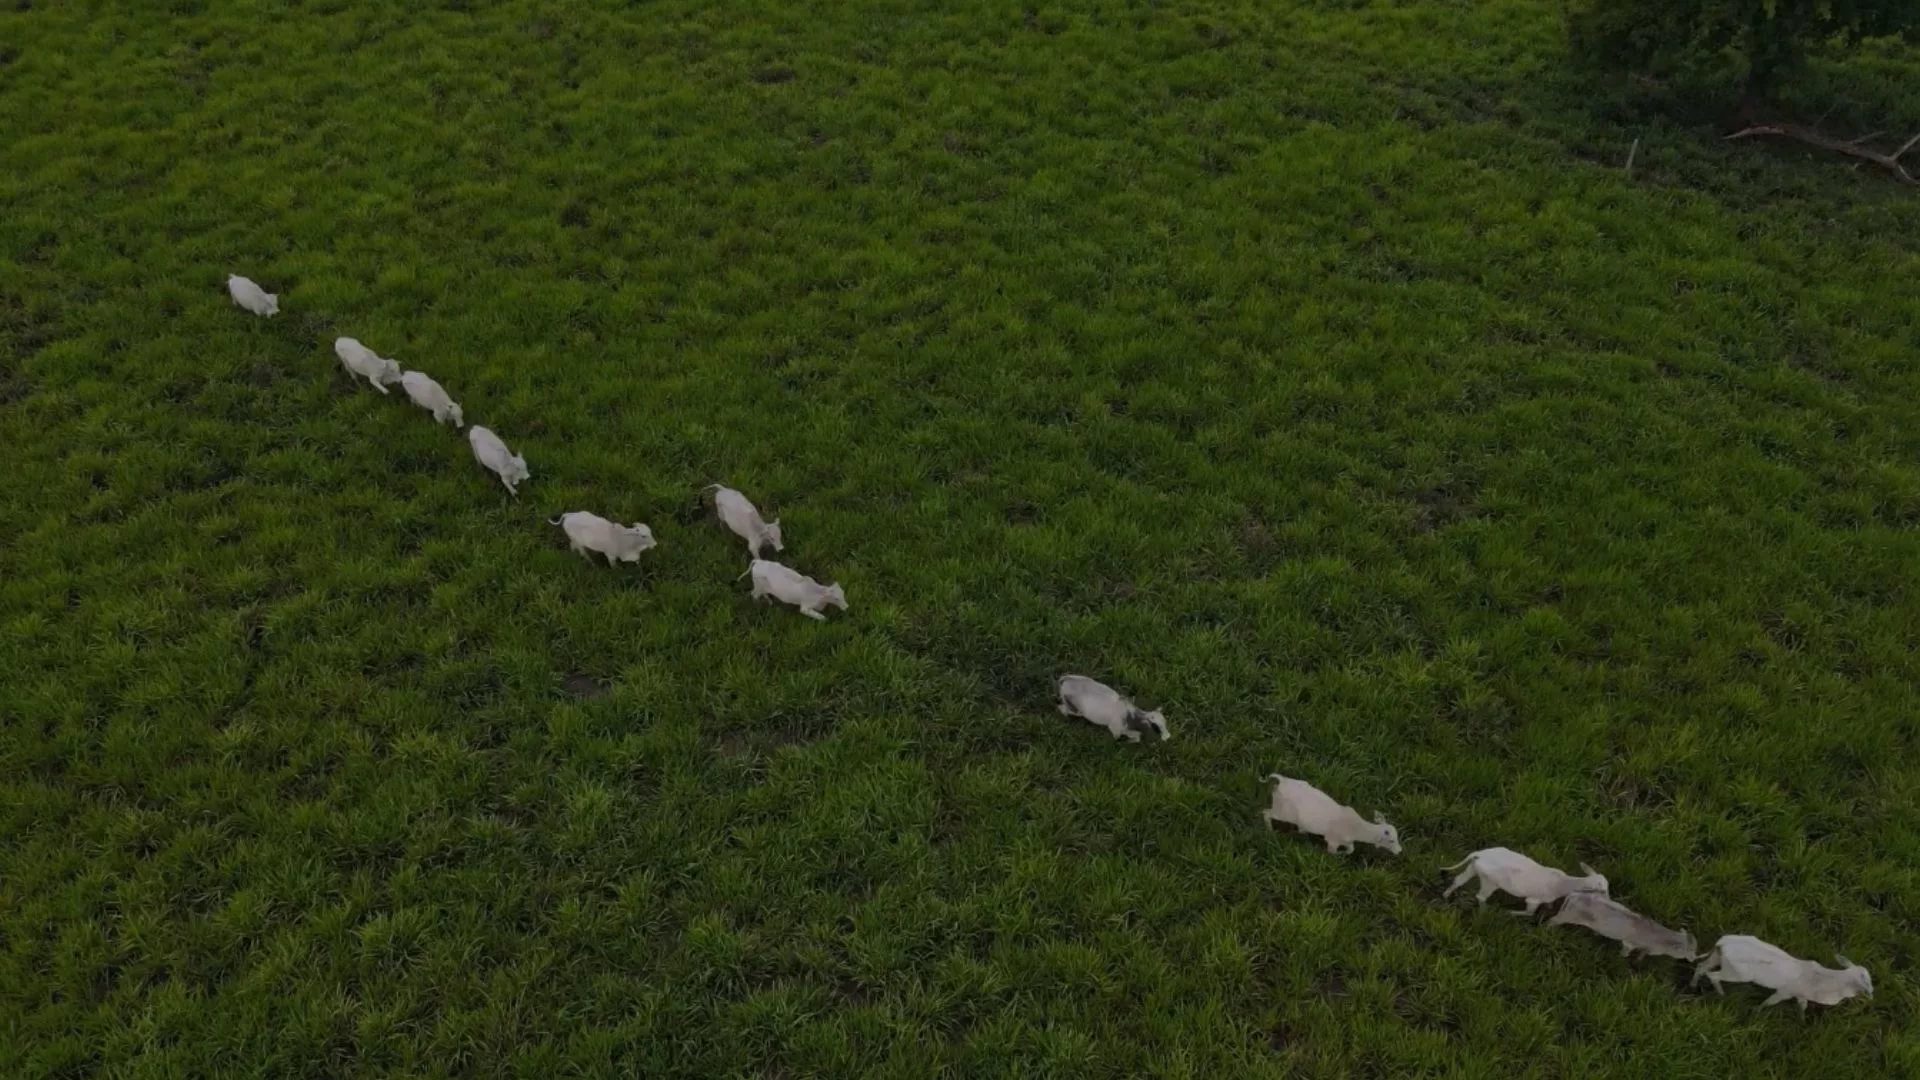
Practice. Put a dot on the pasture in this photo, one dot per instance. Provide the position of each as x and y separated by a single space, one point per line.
1312 372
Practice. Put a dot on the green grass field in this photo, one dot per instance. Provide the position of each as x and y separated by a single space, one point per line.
1312 371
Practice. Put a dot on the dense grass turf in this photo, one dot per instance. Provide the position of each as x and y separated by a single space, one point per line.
1311 371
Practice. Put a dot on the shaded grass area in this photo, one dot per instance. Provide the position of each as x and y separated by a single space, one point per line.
1314 374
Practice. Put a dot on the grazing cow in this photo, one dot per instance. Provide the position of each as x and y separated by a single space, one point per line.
1313 811
488 450
591 532
789 586
1502 870
1739 958
432 397
366 363
745 521
248 294
1098 703
1635 932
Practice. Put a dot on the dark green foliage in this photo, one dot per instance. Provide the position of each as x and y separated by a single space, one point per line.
1309 371
1771 39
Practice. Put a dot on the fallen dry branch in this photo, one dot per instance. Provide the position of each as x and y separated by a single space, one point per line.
1890 162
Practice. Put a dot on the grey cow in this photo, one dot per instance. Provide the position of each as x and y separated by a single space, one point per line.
1635 932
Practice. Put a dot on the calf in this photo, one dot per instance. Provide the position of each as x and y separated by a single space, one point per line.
366 363
1634 931
789 586
251 296
432 397
1739 958
745 521
1098 703
488 450
1501 870
591 532
1313 811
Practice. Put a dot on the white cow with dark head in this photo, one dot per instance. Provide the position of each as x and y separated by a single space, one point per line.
1098 703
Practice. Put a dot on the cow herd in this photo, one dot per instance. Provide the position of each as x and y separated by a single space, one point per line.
1583 900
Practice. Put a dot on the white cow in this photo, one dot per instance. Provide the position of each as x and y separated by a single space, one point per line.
1311 810
789 586
489 451
1502 870
1739 958
1098 703
248 294
1635 932
745 521
432 397
591 532
366 363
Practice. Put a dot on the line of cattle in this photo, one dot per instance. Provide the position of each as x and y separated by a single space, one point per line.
1584 900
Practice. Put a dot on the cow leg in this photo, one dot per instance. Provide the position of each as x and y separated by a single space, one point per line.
1465 876
1778 997
813 613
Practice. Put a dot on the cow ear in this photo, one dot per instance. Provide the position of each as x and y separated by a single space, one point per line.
1587 870
1844 962
1379 818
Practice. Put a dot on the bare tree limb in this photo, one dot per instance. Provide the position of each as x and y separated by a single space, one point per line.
1890 162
